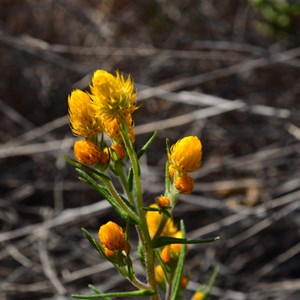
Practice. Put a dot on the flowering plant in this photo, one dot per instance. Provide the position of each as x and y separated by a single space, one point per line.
103 119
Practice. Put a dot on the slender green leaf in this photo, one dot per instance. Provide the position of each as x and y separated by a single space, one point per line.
92 241
148 208
141 254
97 291
147 145
160 210
206 289
87 169
127 203
117 294
168 144
179 268
105 194
212 280
130 180
168 182
166 240
139 155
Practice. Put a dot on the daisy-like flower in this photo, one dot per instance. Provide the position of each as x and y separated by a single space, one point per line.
88 153
185 156
113 96
154 218
82 116
112 238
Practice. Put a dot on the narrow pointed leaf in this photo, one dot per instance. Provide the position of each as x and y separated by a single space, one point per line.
97 291
147 145
166 240
105 194
130 180
141 254
212 280
139 293
87 169
139 155
92 241
168 181
168 144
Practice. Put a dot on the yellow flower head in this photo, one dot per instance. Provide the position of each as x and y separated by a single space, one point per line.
185 184
186 154
198 295
88 153
153 220
114 97
112 238
83 121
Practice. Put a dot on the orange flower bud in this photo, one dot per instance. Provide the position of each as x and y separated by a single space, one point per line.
112 237
163 201
170 253
184 281
119 150
87 152
109 253
104 160
185 184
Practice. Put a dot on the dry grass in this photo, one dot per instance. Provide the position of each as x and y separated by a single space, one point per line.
201 68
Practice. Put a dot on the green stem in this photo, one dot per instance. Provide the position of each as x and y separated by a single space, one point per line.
120 202
125 186
139 284
142 228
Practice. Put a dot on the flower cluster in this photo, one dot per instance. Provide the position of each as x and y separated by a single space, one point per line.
105 155
111 101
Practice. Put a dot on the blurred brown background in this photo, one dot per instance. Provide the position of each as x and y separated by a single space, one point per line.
226 71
